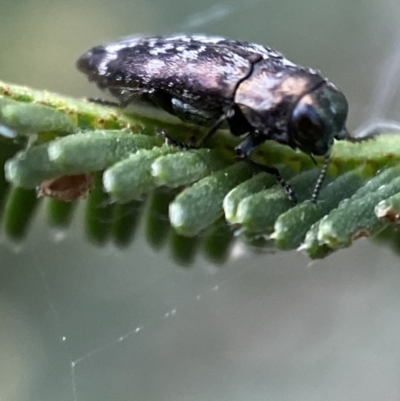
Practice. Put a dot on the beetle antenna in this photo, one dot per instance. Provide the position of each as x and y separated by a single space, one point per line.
321 177
313 160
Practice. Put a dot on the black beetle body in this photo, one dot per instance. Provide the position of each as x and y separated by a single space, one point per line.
212 80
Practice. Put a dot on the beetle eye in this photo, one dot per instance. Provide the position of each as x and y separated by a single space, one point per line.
308 128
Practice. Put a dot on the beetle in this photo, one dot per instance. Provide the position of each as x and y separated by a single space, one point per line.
213 81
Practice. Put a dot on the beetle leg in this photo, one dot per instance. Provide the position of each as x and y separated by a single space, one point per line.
121 105
103 102
125 97
213 129
243 151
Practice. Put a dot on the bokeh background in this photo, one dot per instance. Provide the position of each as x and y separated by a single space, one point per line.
82 322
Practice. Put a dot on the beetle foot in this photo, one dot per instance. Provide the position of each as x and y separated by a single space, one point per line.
291 194
104 102
175 142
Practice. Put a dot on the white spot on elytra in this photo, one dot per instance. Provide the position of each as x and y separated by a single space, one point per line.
153 66
103 65
155 51
287 63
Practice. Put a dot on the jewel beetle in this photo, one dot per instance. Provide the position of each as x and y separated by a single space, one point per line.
213 81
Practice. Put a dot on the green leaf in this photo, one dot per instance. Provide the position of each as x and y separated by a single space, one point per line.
59 136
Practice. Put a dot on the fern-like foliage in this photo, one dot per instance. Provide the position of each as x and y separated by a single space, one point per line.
66 148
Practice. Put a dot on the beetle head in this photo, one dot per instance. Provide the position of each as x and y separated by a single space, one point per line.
318 118
93 62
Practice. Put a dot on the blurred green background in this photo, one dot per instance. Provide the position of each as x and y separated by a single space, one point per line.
80 321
